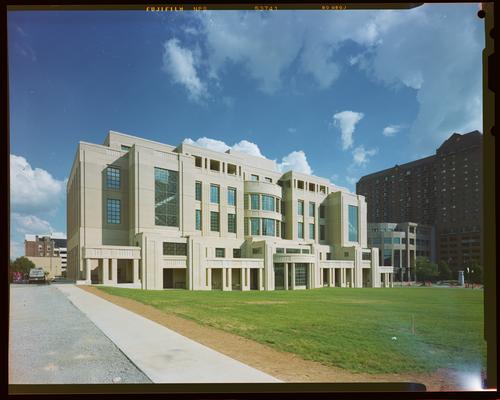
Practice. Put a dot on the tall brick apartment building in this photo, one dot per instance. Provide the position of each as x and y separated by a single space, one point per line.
443 190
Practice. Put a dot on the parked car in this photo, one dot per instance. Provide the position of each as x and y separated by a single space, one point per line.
37 275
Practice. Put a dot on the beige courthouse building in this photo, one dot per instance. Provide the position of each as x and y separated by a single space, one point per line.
154 216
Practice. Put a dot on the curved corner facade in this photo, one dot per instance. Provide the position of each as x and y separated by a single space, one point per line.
149 215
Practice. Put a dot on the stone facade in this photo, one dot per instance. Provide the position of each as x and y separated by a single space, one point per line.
153 216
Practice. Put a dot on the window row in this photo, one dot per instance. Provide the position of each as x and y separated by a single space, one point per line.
215 194
262 202
262 226
215 221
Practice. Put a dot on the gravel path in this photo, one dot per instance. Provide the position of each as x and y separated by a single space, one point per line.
51 341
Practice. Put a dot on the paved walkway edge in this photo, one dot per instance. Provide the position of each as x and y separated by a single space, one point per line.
161 353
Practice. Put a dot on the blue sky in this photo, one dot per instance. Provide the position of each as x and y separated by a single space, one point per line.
338 94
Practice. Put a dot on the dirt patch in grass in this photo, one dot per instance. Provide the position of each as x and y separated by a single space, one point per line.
284 366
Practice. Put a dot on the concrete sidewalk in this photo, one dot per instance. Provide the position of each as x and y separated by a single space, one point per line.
162 354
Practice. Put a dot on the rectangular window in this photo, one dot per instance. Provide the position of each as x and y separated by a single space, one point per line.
254 201
322 211
231 223
300 230
412 241
214 221
174 249
322 235
125 148
353 223
267 202
112 178
268 179
387 257
113 214
198 162
221 253
236 253
214 194
268 227
328 256
312 209
198 220
300 274
387 240
292 251
312 234
197 190
280 250
397 240
255 226
231 169
254 177
231 196
300 207
166 197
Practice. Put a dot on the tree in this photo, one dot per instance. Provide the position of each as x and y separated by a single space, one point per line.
426 271
477 275
444 271
22 264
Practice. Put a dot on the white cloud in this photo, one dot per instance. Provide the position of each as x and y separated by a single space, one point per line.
243 146
347 121
295 161
207 143
434 50
247 147
360 156
180 64
33 190
31 224
391 130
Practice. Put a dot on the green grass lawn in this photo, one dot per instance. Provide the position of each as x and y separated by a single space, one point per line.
346 328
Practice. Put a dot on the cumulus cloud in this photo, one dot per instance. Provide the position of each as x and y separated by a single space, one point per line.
247 147
180 64
346 121
360 156
243 146
434 50
33 190
31 224
295 161
391 130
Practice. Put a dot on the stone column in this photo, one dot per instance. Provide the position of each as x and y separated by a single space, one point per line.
114 271
105 271
286 276
135 271
209 278
293 276
88 270
353 271
260 278
248 278
229 279
331 277
343 275
224 280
